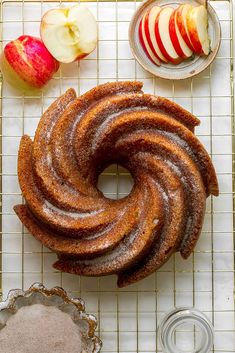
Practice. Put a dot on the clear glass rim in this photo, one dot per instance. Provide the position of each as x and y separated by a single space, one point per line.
180 316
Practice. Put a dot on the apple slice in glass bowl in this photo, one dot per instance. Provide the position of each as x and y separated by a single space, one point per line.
184 56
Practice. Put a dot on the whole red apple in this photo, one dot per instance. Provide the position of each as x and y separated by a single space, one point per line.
26 63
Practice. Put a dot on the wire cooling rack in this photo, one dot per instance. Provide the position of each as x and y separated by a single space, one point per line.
128 318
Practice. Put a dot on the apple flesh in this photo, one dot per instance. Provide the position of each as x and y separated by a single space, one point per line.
69 34
172 35
197 24
178 42
144 42
26 63
181 20
162 33
149 26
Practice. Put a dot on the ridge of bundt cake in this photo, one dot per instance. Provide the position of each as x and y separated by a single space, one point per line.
75 140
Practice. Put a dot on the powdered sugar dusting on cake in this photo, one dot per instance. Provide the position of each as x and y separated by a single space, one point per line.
52 210
122 250
115 115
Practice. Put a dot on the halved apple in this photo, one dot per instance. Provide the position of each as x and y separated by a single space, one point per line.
150 20
197 24
69 33
181 20
163 38
145 44
26 64
178 42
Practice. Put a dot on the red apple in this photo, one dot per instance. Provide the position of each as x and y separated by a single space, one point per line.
181 20
197 24
69 34
163 38
145 44
150 33
26 63
178 42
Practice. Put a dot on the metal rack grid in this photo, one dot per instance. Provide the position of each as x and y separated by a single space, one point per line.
128 318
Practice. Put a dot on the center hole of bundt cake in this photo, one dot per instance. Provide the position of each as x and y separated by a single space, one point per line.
115 182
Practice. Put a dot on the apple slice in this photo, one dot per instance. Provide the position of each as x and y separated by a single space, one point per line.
178 42
163 38
69 33
181 20
197 24
150 20
145 44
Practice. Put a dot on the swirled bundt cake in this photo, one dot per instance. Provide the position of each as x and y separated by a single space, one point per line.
75 140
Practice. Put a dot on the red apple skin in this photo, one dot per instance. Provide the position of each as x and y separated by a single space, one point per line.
30 60
174 37
146 28
193 34
142 41
182 28
160 44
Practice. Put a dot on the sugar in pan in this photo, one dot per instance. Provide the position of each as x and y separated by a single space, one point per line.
41 320
40 329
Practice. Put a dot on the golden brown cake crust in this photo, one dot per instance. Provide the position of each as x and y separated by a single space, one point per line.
75 140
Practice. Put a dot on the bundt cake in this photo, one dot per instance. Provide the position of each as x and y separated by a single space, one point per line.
75 140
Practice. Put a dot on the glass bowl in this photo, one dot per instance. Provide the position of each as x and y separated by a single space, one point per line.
55 297
191 323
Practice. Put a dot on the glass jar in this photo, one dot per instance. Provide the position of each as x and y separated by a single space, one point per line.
185 330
